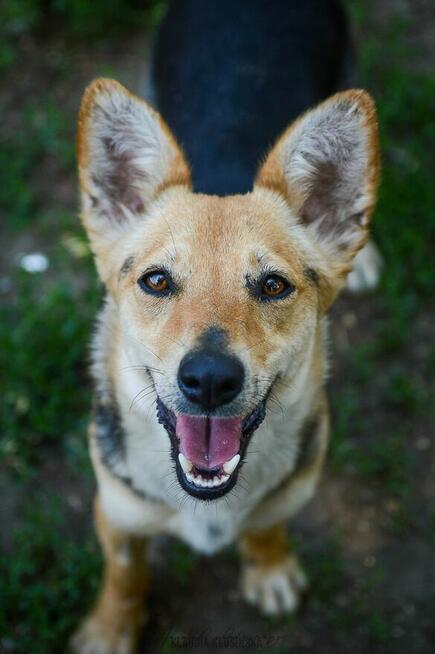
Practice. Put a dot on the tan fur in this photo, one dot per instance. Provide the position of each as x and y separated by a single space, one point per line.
217 229
118 614
267 547
272 578
213 246
178 172
271 175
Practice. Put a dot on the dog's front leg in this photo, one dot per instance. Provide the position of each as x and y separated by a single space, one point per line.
272 577
114 624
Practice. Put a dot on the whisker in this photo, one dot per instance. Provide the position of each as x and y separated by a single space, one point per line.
143 390
173 340
147 348
145 368
277 403
251 347
172 236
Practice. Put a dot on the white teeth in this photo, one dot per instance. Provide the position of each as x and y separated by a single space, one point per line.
199 481
185 463
231 465
206 483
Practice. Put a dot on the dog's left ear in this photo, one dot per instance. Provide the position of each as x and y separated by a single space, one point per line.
126 156
327 167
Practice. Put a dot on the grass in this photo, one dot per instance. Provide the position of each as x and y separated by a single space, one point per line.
73 19
47 319
404 224
382 458
347 603
41 132
184 562
47 395
50 579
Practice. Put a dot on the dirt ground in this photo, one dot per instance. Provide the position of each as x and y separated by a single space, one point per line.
368 537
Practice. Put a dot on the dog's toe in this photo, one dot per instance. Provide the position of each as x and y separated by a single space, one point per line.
274 589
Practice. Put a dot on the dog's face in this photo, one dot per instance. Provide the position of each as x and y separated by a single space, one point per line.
220 298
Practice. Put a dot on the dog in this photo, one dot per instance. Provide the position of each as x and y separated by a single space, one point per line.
210 420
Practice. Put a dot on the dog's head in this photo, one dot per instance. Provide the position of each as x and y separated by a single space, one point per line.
220 298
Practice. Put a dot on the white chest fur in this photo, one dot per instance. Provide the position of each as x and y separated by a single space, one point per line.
206 526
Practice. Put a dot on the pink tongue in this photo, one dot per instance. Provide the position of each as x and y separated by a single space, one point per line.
208 442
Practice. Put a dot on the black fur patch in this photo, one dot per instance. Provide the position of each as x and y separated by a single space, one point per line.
213 338
312 275
111 442
214 531
109 433
126 267
309 447
309 443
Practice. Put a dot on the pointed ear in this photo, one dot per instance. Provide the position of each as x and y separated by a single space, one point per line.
126 155
327 166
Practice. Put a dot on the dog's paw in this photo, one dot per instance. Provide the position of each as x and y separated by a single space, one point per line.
366 270
100 637
274 589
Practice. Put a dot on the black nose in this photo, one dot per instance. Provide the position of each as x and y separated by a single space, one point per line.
210 379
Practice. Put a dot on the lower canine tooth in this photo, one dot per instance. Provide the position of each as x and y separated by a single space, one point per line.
185 463
231 465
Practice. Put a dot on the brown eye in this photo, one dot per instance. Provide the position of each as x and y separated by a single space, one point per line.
269 287
274 286
156 282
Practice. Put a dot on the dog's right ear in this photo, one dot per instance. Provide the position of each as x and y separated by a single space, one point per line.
126 156
326 165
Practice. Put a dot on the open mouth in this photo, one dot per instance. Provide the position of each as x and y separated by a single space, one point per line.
208 451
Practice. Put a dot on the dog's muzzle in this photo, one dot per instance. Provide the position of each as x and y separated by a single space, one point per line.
208 451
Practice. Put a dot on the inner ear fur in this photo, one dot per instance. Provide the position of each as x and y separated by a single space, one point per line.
126 156
326 165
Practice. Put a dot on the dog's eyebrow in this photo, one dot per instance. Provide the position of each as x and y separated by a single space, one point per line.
312 275
126 266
